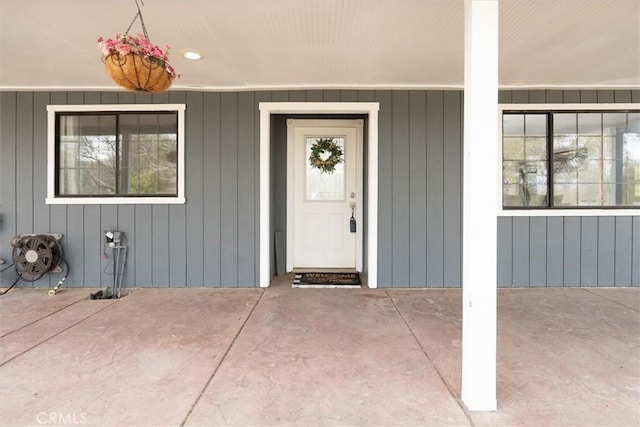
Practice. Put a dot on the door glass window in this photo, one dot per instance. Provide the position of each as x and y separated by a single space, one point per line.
323 186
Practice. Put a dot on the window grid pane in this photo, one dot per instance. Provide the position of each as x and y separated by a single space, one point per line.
595 158
148 164
146 160
86 156
524 166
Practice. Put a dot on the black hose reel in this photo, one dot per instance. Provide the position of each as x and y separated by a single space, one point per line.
35 255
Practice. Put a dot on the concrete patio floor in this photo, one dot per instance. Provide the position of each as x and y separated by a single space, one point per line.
282 356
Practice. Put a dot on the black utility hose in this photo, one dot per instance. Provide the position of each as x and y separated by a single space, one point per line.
6 268
21 276
10 287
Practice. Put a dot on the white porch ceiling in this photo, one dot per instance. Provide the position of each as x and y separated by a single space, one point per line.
255 44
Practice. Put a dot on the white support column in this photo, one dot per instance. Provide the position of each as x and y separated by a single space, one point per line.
265 197
480 198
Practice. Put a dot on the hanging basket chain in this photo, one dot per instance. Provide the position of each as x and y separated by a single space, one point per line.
134 62
138 15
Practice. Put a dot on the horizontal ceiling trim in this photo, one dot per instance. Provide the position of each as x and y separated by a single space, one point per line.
330 87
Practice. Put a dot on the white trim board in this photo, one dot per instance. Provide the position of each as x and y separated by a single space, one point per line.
52 199
266 110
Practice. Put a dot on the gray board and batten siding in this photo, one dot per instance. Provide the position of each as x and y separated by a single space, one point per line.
212 240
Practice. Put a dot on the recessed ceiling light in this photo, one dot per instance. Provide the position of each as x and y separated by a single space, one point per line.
191 54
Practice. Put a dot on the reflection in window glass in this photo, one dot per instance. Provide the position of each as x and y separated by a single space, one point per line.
595 159
536 124
86 156
524 166
598 166
141 160
148 160
513 125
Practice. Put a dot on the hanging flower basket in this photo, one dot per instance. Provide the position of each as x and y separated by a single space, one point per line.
138 73
135 63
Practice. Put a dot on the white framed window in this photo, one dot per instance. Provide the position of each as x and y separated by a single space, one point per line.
115 154
569 159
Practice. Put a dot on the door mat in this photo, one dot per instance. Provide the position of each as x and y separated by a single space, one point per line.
326 280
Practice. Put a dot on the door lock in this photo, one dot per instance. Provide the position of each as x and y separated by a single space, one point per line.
352 220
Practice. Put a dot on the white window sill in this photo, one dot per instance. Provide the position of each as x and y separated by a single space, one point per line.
115 201
568 212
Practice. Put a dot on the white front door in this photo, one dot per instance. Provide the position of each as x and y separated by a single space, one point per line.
321 203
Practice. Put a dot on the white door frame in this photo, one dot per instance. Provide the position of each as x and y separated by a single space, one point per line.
320 123
371 110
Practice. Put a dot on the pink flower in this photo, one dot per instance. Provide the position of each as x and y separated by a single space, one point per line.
138 46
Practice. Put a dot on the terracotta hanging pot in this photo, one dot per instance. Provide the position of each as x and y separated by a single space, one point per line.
138 73
135 63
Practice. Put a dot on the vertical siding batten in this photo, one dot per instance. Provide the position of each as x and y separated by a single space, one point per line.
453 106
537 96
178 249
348 96
194 176
505 252
161 252
572 245
589 251
8 111
521 251
229 192
435 189
417 195
571 96
589 96
623 252
143 250
247 275
605 96
555 96
24 165
400 187
212 190
555 251
538 251
606 251
24 162
622 95
635 257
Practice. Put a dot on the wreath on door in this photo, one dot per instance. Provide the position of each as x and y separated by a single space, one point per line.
319 151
